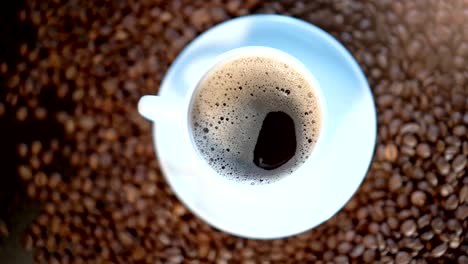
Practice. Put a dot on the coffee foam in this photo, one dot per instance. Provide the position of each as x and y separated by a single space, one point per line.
231 104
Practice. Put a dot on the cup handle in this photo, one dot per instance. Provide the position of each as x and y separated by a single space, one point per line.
155 108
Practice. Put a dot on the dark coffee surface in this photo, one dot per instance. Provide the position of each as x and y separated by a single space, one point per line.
104 198
276 142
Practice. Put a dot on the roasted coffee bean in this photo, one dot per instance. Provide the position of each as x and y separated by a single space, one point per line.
408 227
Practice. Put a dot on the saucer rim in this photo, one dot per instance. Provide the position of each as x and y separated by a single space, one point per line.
291 22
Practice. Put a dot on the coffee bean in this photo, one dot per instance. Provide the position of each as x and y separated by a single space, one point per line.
39 256
3 229
418 198
423 150
459 163
460 131
428 235
446 190
369 255
341 259
450 152
25 172
440 146
416 173
462 212
424 221
408 228
443 166
408 151
149 189
395 182
454 225
132 193
31 190
138 254
451 203
27 242
403 258
432 179
2 108
462 259
22 114
385 100
439 250
50 208
410 140
391 152
370 242
40 179
22 150
412 128
357 251
437 225
432 133
463 196
36 147
125 238
89 203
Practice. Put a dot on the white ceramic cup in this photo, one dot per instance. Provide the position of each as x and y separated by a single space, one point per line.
157 108
317 189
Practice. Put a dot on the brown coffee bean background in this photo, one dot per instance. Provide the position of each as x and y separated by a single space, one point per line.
73 142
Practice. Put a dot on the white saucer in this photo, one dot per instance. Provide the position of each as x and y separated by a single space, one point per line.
349 144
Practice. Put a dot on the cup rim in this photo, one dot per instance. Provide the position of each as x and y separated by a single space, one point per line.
257 51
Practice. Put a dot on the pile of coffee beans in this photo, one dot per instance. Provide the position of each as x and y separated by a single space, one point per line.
93 168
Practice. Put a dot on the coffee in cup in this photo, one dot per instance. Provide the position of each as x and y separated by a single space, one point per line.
255 117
